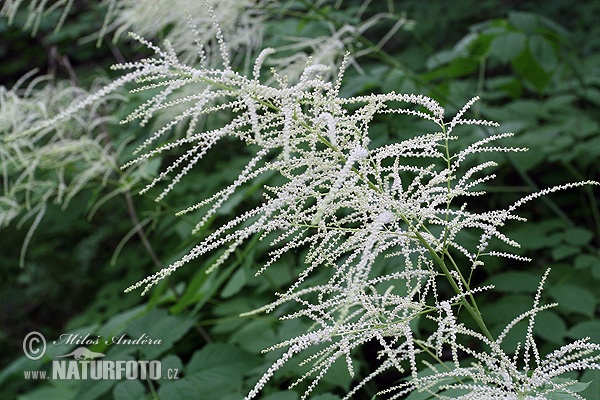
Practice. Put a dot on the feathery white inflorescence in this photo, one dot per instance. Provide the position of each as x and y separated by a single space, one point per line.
351 206
384 220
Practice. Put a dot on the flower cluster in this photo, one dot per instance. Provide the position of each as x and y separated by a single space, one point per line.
53 162
187 22
383 221
351 205
494 374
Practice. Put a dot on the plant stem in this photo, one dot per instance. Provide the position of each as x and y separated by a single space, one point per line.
472 309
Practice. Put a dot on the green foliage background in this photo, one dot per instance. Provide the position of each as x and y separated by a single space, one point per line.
536 66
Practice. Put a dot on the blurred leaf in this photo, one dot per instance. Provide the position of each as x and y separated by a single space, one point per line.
129 390
183 389
551 327
578 236
528 67
574 298
543 52
573 387
95 389
508 46
53 390
173 364
287 395
585 261
326 396
537 235
157 324
584 329
235 283
563 251
593 390
203 286
514 282
219 358
215 370
509 85
524 21
255 336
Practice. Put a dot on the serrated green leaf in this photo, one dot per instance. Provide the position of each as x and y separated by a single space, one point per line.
573 387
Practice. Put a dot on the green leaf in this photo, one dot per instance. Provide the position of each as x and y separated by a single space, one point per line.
203 286
589 329
221 359
585 261
507 84
578 236
338 374
287 395
92 390
129 390
457 68
592 392
326 396
58 390
426 395
573 387
537 236
550 326
184 389
255 336
528 67
524 21
563 251
515 282
158 325
235 284
213 372
171 368
574 298
508 46
118 322
543 52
